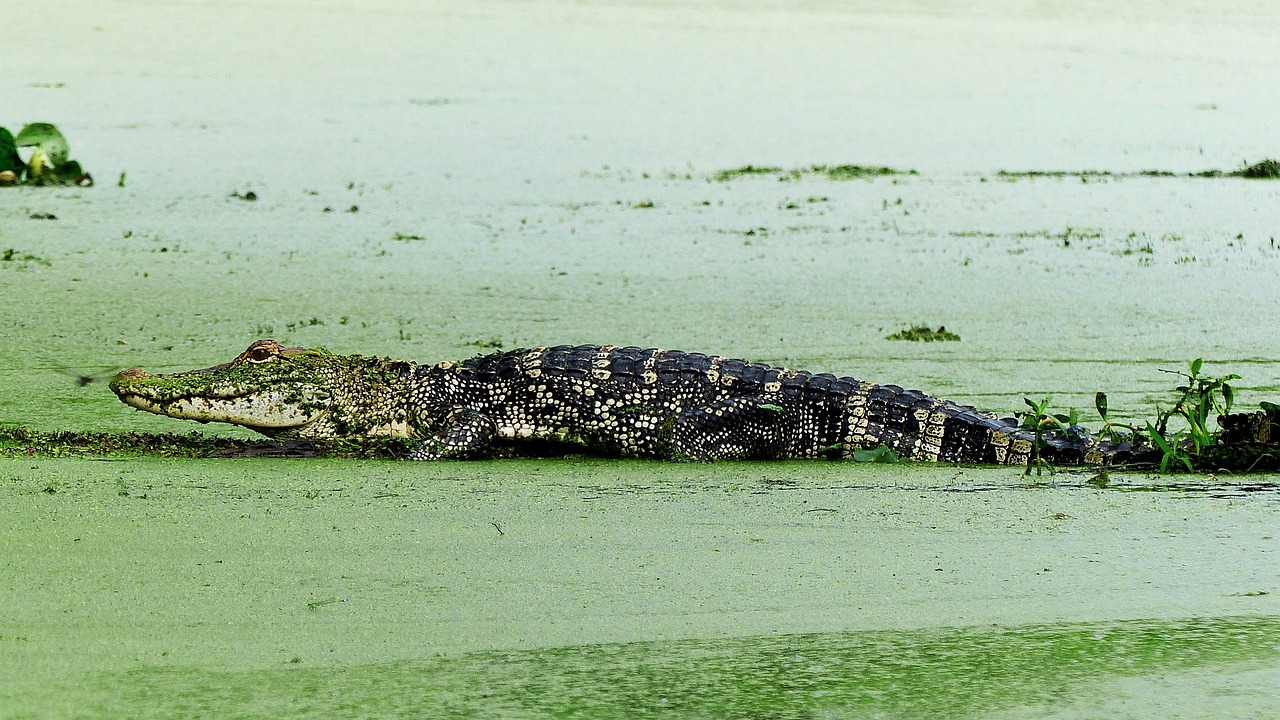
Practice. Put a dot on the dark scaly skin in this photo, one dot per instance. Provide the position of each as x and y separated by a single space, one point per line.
613 400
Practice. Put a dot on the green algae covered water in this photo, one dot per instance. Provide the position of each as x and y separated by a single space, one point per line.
561 588
436 181
1065 670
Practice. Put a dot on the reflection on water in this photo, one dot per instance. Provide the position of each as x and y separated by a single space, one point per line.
1034 670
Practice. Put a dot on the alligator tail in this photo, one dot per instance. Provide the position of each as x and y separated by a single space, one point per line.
924 428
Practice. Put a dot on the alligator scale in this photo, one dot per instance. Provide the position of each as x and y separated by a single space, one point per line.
612 400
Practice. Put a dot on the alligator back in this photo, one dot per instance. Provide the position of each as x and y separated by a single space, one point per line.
667 403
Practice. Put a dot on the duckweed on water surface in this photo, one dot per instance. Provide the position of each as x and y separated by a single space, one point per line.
957 673
143 586
23 442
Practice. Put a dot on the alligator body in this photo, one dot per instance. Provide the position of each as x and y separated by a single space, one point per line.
613 400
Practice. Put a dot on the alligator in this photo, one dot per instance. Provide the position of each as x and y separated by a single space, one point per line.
621 401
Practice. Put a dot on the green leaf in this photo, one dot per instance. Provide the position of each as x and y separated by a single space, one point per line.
1196 365
47 139
882 454
1100 402
1158 439
68 171
9 159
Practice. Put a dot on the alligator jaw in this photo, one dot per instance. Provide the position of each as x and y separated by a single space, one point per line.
266 411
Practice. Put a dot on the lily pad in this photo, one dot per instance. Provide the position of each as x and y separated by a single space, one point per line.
47 140
9 159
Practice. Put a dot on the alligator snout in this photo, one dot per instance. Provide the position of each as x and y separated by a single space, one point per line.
123 382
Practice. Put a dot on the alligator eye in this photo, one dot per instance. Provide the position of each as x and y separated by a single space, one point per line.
259 355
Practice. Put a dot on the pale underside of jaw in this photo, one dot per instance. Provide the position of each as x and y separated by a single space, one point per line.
268 413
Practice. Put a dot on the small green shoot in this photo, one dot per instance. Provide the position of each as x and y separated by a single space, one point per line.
1202 397
1040 421
1036 420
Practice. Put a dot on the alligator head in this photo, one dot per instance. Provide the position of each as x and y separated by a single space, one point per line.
278 391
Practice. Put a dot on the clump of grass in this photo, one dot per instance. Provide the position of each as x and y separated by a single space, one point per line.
856 172
13 255
733 174
1056 173
312 322
489 344
1266 170
832 172
923 333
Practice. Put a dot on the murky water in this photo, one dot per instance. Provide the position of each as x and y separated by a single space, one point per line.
461 176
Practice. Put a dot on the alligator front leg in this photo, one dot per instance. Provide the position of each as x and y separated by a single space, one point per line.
732 429
461 432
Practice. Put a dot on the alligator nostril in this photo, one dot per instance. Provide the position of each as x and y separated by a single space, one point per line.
132 372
